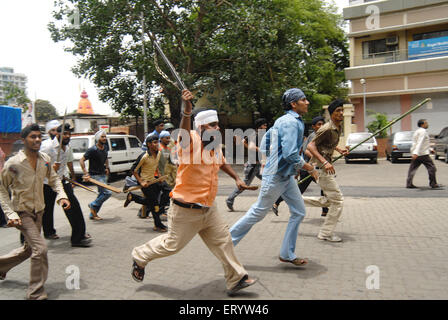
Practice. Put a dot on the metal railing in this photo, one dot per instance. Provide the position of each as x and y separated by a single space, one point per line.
381 57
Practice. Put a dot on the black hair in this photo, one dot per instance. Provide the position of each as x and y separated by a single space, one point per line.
158 122
27 130
421 122
66 128
260 122
151 138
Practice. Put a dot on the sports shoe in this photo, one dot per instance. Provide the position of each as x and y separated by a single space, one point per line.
229 205
331 238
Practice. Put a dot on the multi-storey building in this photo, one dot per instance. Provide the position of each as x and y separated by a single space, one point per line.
398 57
7 76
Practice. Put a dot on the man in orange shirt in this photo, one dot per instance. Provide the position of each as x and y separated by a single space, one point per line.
193 209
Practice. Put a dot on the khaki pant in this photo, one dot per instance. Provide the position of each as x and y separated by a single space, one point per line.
332 199
36 248
183 225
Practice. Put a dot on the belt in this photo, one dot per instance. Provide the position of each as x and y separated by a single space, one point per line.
187 205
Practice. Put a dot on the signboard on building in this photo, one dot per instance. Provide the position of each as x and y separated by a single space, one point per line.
104 127
428 48
28 116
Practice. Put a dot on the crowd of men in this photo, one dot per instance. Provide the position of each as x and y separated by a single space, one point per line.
173 187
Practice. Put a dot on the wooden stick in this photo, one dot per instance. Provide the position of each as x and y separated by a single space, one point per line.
162 178
81 185
104 185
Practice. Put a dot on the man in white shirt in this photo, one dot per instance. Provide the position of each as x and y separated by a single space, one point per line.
420 155
62 162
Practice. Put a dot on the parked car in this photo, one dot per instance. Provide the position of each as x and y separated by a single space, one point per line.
367 150
399 146
123 151
441 144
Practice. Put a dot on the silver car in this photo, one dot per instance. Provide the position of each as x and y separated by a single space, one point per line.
367 150
399 146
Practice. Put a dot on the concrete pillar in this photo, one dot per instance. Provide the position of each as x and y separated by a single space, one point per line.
405 105
358 113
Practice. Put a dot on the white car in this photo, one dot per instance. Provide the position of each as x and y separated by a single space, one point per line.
123 150
367 150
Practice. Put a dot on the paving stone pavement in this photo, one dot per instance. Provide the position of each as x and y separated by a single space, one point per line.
402 235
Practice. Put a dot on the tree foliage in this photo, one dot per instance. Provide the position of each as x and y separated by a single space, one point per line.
245 52
44 110
379 122
13 95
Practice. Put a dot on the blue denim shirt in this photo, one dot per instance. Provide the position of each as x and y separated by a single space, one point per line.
282 144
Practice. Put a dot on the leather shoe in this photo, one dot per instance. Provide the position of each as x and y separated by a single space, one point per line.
411 187
437 186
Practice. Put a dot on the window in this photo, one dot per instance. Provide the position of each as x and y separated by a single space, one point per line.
443 133
356 138
404 136
117 144
430 35
134 142
79 145
373 48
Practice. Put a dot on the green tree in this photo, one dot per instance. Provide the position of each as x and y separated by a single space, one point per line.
13 95
44 110
247 52
379 122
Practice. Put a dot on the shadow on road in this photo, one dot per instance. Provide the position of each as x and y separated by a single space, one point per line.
310 270
207 291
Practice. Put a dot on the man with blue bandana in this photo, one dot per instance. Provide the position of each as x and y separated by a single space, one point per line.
281 144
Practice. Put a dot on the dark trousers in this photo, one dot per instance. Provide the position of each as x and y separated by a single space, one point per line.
2 217
303 186
250 172
151 201
74 215
47 219
164 196
427 162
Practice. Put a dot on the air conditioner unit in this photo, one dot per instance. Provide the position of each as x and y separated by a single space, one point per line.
390 41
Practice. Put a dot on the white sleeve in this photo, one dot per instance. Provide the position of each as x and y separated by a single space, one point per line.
419 142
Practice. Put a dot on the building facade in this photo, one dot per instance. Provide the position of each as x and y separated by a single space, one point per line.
8 76
398 57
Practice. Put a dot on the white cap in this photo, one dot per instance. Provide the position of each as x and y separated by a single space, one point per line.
99 134
51 125
205 117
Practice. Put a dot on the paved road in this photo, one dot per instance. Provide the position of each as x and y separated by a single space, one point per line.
400 232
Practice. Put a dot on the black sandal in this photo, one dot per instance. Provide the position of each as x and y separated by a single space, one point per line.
137 273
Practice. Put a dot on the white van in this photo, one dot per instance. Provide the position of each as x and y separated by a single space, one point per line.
123 150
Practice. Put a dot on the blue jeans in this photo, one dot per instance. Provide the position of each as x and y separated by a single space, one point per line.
103 195
272 186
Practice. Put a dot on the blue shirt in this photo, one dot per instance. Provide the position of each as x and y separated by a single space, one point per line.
282 144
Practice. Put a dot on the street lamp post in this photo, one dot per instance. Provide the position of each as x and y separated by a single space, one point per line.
145 98
363 82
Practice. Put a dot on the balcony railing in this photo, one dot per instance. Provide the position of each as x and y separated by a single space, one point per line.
381 57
